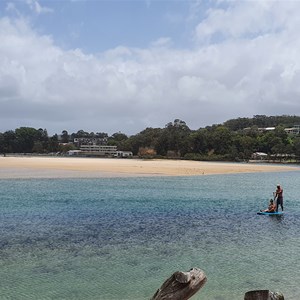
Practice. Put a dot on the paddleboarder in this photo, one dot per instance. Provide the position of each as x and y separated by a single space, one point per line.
278 196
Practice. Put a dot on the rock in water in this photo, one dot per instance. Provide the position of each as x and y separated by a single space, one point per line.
263 295
181 285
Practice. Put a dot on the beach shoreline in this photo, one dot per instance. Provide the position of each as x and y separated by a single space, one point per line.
78 167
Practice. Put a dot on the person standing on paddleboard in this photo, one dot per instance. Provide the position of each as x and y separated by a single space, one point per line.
278 195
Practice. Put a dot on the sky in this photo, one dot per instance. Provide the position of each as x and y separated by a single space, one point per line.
125 65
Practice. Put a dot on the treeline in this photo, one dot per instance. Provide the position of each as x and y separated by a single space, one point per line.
234 140
262 121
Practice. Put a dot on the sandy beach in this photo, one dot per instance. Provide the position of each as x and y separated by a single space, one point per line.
74 167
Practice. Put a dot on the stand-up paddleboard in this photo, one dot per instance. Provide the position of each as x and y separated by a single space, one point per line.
278 213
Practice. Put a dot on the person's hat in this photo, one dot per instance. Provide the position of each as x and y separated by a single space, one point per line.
278 184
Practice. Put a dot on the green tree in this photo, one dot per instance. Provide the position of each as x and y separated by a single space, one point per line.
38 147
296 143
42 141
64 136
267 141
281 133
147 138
81 134
65 148
221 140
245 145
2 143
101 135
118 139
26 136
53 145
133 144
174 137
279 148
238 124
9 142
199 141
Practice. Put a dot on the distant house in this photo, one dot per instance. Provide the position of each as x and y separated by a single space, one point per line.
263 129
259 156
89 141
74 152
293 130
123 154
260 129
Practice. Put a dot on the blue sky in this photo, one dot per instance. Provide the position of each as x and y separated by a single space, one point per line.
108 66
98 25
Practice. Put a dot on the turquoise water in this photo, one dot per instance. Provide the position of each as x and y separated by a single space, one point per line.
121 238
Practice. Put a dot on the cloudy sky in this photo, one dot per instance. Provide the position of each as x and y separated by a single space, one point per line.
124 65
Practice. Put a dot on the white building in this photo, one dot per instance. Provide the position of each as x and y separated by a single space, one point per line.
124 154
101 150
259 156
293 130
90 141
74 152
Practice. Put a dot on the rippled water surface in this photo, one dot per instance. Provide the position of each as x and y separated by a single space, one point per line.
121 238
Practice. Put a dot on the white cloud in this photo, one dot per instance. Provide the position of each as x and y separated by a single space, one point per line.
37 8
246 19
252 69
10 6
162 42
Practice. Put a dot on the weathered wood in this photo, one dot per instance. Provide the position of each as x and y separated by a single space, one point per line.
181 285
263 295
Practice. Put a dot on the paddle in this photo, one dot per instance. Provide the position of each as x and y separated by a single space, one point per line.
275 199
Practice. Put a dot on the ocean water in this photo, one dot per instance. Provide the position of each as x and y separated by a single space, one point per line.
120 238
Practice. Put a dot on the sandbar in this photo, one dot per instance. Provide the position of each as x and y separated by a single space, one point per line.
76 167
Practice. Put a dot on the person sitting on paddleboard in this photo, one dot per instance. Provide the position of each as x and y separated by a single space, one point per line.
271 208
278 195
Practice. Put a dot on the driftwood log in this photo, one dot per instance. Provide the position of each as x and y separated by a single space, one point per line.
181 285
263 295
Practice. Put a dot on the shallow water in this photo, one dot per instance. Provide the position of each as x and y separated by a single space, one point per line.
121 238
